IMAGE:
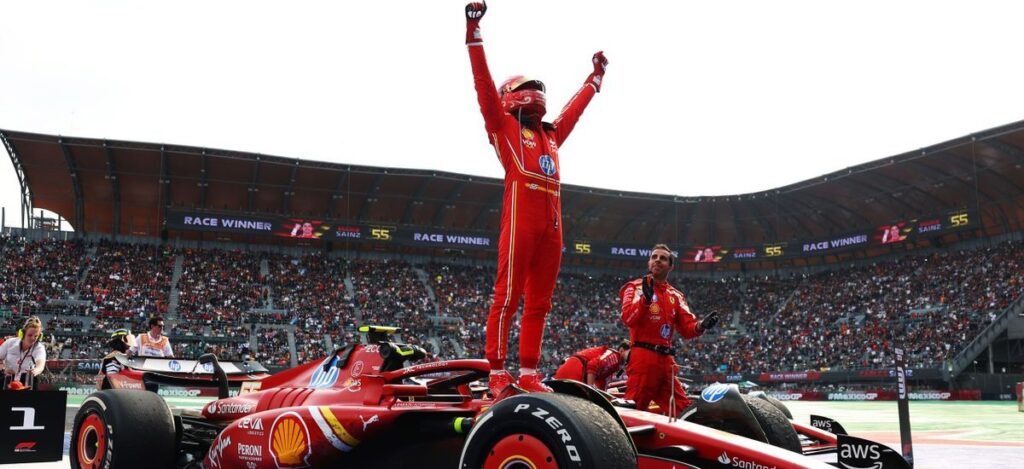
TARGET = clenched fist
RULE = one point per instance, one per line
(475, 11)
(600, 65)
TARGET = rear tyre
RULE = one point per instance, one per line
(120, 428)
(544, 430)
(774, 423)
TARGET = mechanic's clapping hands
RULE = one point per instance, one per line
(708, 322)
(647, 289)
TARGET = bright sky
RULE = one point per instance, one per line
(701, 98)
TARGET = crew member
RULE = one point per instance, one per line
(530, 243)
(153, 343)
(24, 356)
(120, 341)
(652, 309)
(595, 365)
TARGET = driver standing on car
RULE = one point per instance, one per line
(153, 343)
(530, 243)
(652, 309)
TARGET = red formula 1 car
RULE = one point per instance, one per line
(361, 407)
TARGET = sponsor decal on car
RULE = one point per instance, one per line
(252, 425)
(289, 441)
(565, 437)
(367, 422)
(743, 464)
(324, 379)
(332, 429)
(215, 456)
(357, 369)
(174, 365)
(714, 393)
(217, 407)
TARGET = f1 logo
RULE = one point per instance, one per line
(28, 421)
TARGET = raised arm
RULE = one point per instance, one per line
(634, 301)
(486, 92)
(574, 108)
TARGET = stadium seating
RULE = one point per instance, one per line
(293, 308)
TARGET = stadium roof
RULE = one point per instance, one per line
(122, 187)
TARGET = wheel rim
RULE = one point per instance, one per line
(520, 451)
(92, 441)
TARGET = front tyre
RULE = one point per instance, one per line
(120, 428)
(545, 430)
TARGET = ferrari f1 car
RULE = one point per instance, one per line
(361, 407)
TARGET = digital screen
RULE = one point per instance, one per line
(300, 228)
(704, 254)
(382, 233)
(893, 233)
(774, 250)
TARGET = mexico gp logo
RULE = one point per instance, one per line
(547, 165)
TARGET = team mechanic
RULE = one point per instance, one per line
(595, 365)
(530, 244)
(651, 309)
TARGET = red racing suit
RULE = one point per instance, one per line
(530, 243)
(651, 374)
(602, 362)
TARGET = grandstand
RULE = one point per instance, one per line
(817, 281)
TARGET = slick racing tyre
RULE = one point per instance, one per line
(545, 430)
(118, 428)
(779, 405)
(774, 423)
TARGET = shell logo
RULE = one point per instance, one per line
(289, 441)
(528, 134)
(655, 309)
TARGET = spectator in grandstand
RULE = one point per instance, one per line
(651, 309)
(530, 244)
(24, 356)
(153, 343)
(595, 365)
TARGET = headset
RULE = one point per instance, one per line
(31, 319)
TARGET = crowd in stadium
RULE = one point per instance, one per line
(300, 306)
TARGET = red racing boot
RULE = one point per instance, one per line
(497, 382)
(531, 383)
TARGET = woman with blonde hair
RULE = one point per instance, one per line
(24, 356)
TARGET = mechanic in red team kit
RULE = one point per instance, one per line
(595, 365)
(530, 244)
(652, 309)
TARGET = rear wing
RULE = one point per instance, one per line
(193, 367)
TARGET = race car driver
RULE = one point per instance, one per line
(595, 365)
(530, 243)
(652, 309)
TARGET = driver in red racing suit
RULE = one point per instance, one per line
(530, 243)
(652, 309)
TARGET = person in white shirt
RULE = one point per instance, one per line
(153, 343)
(24, 357)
